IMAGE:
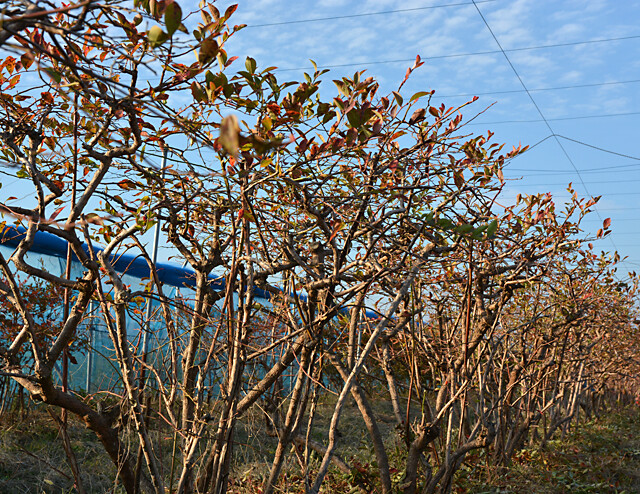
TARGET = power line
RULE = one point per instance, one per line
(565, 183)
(548, 171)
(468, 54)
(558, 119)
(535, 104)
(617, 220)
(364, 14)
(599, 148)
(619, 209)
(554, 88)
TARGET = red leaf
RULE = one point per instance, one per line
(418, 115)
(230, 10)
(339, 226)
(126, 184)
(47, 98)
(458, 178)
(606, 223)
(56, 213)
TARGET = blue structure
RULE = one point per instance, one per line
(97, 370)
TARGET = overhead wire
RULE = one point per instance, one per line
(363, 14)
(468, 54)
(541, 172)
(608, 151)
(540, 89)
(558, 119)
(486, 23)
(564, 183)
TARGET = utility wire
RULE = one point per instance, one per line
(364, 14)
(468, 54)
(536, 106)
(599, 148)
(596, 171)
(520, 184)
(558, 119)
(617, 220)
(554, 88)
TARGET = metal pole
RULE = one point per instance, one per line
(90, 349)
(154, 257)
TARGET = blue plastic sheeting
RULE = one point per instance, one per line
(95, 369)
(134, 266)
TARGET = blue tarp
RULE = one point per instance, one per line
(134, 266)
(96, 370)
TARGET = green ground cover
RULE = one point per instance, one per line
(598, 456)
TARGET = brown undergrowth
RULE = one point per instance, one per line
(598, 456)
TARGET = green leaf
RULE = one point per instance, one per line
(477, 233)
(444, 223)
(208, 50)
(197, 91)
(492, 228)
(354, 118)
(54, 74)
(464, 229)
(250, 64)
(173, 17)
(156, 36)
(342, 87)
(419, 95)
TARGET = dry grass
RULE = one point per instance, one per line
(600, 456)
(32, 459)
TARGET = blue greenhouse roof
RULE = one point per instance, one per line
(170, 274)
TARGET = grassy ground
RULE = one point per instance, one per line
(32, 459)
(601, 456)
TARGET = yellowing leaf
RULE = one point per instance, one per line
(208, 50)
(173, 17)
(230, 134)
(94, 219)
(156, 36)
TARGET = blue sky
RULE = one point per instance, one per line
(587, 89)
(580, 61)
